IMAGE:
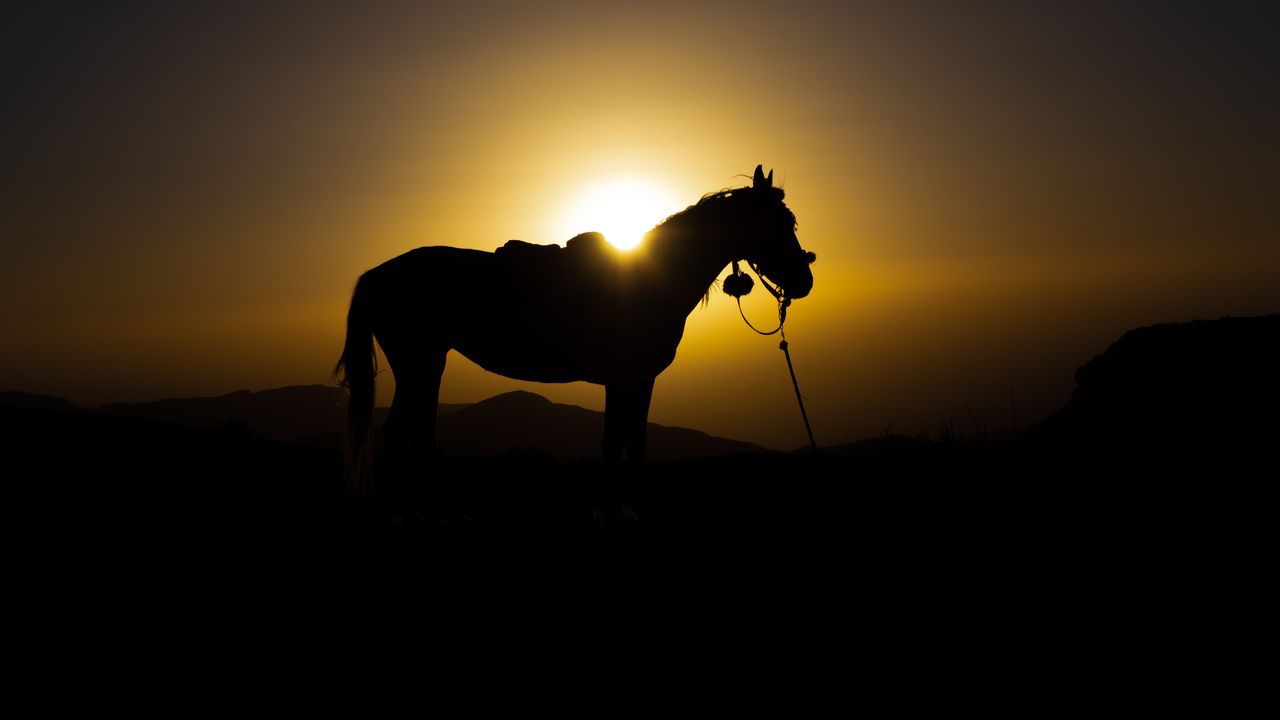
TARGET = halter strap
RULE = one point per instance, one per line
(776, 293)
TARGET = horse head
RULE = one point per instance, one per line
(768, 239)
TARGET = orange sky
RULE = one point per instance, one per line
(993, 196)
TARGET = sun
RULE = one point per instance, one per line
(624, 210)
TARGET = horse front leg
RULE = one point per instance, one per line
(626, 416)
(638, 421)
(637, 426)
(602, 490)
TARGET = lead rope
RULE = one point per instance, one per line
(783, 304)
(786, 350)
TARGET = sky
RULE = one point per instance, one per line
(995, 191)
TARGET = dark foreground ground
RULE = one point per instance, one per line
(82, 483)
(897, 554)
(870, 566)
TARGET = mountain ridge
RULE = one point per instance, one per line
(314, 415)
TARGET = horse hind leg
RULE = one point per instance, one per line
(416, 485)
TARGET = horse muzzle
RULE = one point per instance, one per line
(802, 285)
(797, 290)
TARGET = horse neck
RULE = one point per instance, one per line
(691, 256)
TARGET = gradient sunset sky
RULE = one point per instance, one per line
(995, 191)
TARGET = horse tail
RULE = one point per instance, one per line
(357, 368)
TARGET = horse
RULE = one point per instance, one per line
(549, 314)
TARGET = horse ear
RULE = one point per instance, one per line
(758, 181)
(769, 180)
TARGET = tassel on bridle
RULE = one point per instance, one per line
(737, 283)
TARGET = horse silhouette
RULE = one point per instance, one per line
(550, 314)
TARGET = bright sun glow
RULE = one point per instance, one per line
(624, 210)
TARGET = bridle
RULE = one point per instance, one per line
(783, 302)
(741, 286)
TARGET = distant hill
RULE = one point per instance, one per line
(314, 415)
(31, 401)
(523, 420)
(290, 413)
(308, 414)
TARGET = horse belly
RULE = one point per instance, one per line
(529, 339)
(585, 350)
(525, 356)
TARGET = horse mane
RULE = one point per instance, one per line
(720, 200)
(712, 203)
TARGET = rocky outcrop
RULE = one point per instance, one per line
(1202, 391)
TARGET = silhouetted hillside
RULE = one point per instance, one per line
(288, 413)
(523, 420)
(1203, 391)
(311, 414)
(35, 402)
